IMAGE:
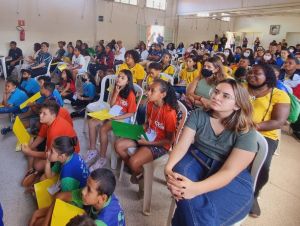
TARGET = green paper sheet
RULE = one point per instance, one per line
(126, 130)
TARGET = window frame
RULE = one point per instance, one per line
(151, 7)
(119, 2)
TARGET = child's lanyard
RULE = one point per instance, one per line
(166, 67)
(156, 118)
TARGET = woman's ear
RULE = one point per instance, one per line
(236, 108)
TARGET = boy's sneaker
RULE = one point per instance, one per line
(91, 157)
(6, 130)
(100, 163)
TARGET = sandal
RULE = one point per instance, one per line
(29, 178)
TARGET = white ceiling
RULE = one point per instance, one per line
(238, 8)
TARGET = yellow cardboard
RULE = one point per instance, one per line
(63, 212)
(31, 100)
(21, 133)
(43, 197)
(101, 115)
(62, 67)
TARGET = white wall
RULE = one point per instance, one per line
(262, 25)
(70, 20)
(197, 30)
(186, 7)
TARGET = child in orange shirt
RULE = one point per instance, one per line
(123, 96)
(160, 129)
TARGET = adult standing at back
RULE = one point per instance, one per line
(271, 109)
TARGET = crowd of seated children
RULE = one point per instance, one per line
(62, 160)
(40, 65)
(132, 59)
(123, 97)
(160, 127)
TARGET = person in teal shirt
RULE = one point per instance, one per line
(28, 84)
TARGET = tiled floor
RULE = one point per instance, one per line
(280, 199)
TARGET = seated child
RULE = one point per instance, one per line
(160, 128)
(87, 96)
(188, 74)
(123, 96)
(167, 68)
(80, 220)
(56, 126)
(13, 97)
(28, 84)
(154, 72)
(98, 199)
(71, 168)
(67, 85)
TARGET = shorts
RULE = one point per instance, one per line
(157, 151)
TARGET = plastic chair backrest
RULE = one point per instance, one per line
(49, 66)
(169, 77)
(260, 157)
(112, 80)
(139, 94)
(87, 61)
(181, 122)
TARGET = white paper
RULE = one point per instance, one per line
(151, 135)
(115, 110)
(54, 188)
(75, 96)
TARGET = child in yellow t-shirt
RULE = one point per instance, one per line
(167, 68)
(132, 58)
(188, 74)
(154, 72)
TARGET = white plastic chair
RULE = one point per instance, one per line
(169, 77)
(150, 167)
(48, 70)
(114, 157)
(260, 157)
(100, 103)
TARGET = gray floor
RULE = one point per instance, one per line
(280, 199)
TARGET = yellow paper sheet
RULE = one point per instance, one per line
(101, 115)
(62, 67)
(1, 105)
(43, 197)
(31, 100)
(21, 133)
(63, 212)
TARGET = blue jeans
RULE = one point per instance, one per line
(224, 206)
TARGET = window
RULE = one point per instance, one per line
(156, 4)
(131, 2)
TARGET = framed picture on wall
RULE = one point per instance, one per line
(274, 29)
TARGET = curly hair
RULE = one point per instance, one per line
(269, 73)
(134, 54)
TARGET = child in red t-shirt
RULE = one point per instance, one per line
(67, 86)
(160, 127)
(123, 96)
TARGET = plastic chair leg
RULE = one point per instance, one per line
(84, 122)
(148, 180)
(121, 170)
